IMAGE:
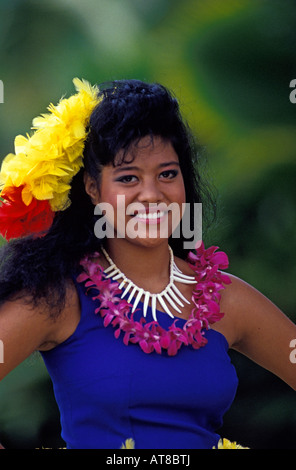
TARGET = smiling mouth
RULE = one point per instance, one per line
(150, 217)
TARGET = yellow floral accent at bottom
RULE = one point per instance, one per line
(222, 444)
(128, 444)
(226, 444)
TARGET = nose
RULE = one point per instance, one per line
(150, 191)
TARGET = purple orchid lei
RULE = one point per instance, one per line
(206, 263)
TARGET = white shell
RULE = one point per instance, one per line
(170, 294)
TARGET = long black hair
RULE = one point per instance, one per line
(40, 268)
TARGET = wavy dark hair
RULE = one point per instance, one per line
(40, 268)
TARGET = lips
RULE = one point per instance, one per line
(150, 215)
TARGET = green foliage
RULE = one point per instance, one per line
(230, 64)
(28, 413)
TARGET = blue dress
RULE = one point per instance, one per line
(108, 392)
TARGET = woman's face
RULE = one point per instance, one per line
(142, 201)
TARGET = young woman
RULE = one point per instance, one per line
(133, 328)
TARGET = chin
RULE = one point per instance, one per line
(147, 242)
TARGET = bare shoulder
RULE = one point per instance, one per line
(249, 309)
(65, 324)
(25, 329)
(259, 329)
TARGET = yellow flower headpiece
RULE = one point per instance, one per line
(45, 162)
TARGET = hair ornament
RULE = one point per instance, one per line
(35, 181)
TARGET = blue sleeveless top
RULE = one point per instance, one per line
(108, 392)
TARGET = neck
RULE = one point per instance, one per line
(148, 267)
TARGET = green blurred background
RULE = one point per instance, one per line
(230, 63)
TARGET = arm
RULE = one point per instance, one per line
(24, 329)
(259, 329)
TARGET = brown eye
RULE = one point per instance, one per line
(168, 174)
(127, 179)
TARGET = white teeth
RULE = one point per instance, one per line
(150, 215)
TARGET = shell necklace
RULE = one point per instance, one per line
(149, 335)
(169, 295)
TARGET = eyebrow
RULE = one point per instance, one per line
(132, 168)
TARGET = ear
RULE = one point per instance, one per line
(91, 188)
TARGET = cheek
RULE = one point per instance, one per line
(180, 194)
(184, 194)
(113, 206)
(107, 194)
(180, 199)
